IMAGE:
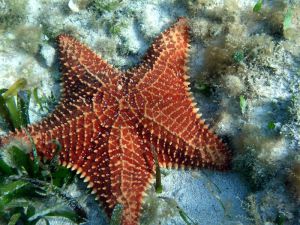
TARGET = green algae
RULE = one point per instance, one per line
(45, 103)
(29, 185)
(12, 13)
(13, 106)
(257, 7)
(287, 20)
(258, 172)
(28, 38)
(271, 125)
(168, 207)
(30, 180)
(14, 88)
(243, 104)
(102, 6)
(116, 215)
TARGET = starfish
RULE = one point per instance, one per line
(113, 125)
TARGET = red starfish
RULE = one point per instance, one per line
(110, 122)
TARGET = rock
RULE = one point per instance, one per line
(73, 6)
(48, 53)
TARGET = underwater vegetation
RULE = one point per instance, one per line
(28, 39)
(13, 106)
(31, 189)
(12, 12)
(244, 53)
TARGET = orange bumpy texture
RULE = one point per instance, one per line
(109, 123)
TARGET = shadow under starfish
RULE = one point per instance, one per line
(109, 122)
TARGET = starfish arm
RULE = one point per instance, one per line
(92, 162)
(169, 48)
(162, 98)
(132, 167)
(86, 77)
(83, 71)
(73, 126)
(177, 153)
(73, 134)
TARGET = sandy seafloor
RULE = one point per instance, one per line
(264, 137)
